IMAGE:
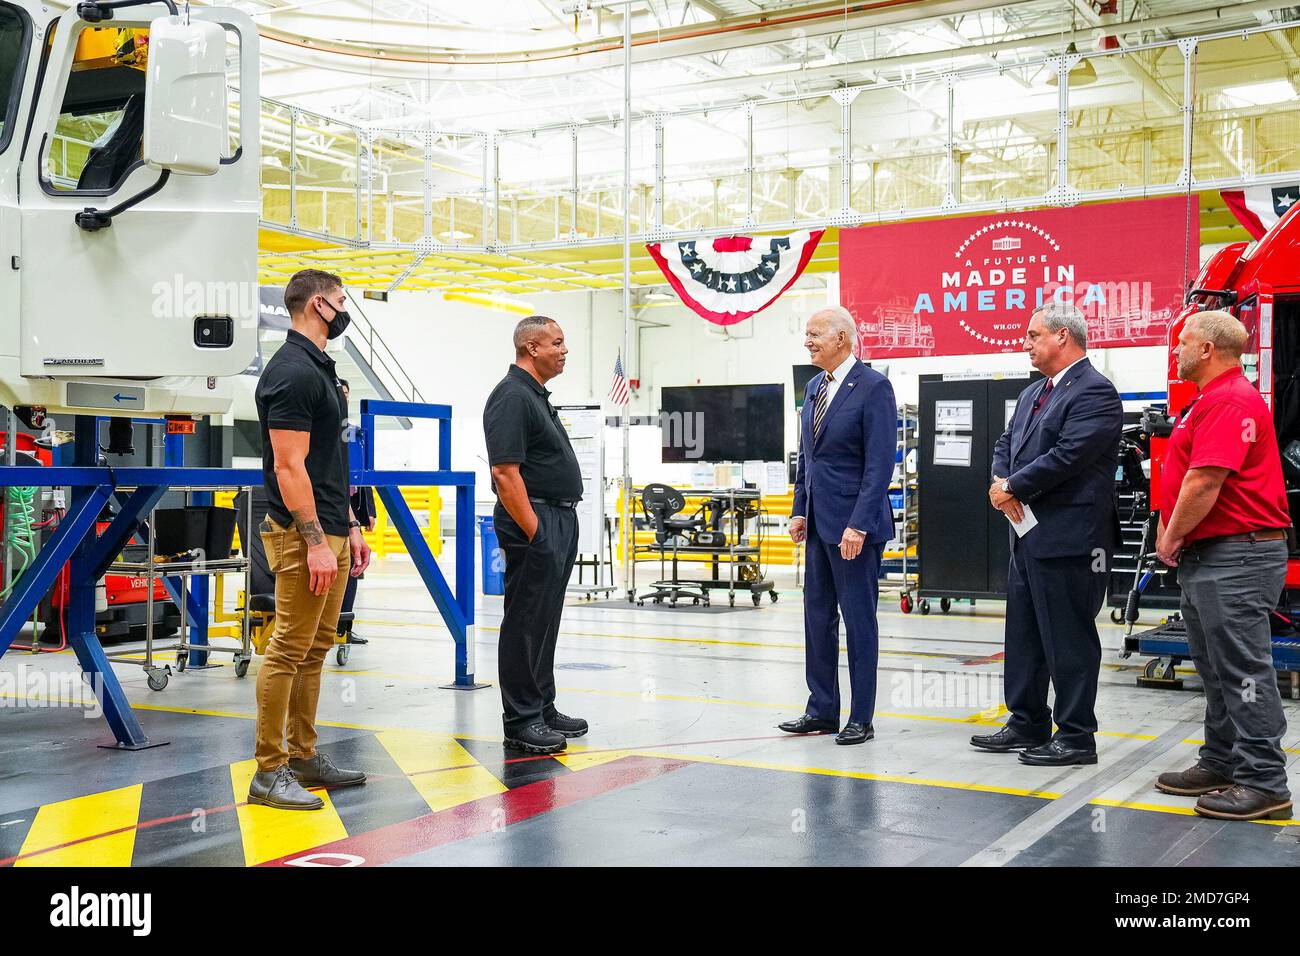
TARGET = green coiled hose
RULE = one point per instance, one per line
(20, 531)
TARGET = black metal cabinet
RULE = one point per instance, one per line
(964, 548)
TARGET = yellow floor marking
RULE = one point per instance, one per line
(989, 715)
(774, 645)
(860, 775)
(269, 834)
(576, 759)
(419, 754)
(68, 820)
(1181, 811)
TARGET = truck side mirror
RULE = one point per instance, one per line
(185, 96)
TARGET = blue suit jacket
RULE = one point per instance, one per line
(842, 480)
(1062, 463)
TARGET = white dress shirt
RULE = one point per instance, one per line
(1056, 379)
(840, 373)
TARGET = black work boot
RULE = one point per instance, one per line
(566, 726)
(319, 771)
(536, 738)
(280, 789)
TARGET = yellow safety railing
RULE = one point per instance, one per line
(385, 540)
(777, 547)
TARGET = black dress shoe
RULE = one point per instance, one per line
(354, 639)
(1004, 741)
(855, 733)
(1243, 803)
(1056, 754)
(566, 726)
(808, 724)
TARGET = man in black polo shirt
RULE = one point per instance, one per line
(537, 481)
(312, 542)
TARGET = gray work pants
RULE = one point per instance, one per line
(1228, 590)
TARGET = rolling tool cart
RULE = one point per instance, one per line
(725, 529)
(181, 543)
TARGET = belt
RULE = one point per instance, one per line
(569, 503)
(1270, 534)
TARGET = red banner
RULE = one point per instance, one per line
(969, 284)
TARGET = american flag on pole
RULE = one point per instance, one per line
(618, 393)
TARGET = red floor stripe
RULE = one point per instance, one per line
(483, 815)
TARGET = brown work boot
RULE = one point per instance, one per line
(1243, 803)
(1193, 781)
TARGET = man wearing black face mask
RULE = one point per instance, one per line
(312, 542)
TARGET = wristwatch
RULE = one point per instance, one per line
(1006, 487)
(354, 524)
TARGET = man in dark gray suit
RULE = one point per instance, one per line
(1057, 458)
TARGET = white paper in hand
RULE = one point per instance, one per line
(1025, 524)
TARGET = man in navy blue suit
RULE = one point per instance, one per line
(1056, 459)
(847, 439)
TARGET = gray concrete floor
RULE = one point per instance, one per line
(683, 763)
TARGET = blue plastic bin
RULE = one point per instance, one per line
(494, 560)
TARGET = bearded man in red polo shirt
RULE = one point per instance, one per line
(1228, 535)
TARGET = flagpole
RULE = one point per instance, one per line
(581, 7)
(627, 299)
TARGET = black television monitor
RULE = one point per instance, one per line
(713, 423)
(802, 376)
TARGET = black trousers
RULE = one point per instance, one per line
(537, 572)
(349, 598)
(1052, 606)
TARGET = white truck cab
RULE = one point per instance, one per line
(129, 204)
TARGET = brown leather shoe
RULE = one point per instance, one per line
(1243, 803)
(1192, 782)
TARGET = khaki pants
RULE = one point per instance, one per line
(288, 684)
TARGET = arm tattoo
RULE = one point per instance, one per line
(310, 530)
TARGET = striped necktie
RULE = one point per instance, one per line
(819, 404)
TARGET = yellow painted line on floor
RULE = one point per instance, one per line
(269, 834)
(987, 716)
(709, 641)
(1180, 811)
(861, 775)
(420, 754)
(93, 820)
(576, 759)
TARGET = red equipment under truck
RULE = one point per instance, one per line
(1259, 283)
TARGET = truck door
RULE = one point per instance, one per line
(130, 301)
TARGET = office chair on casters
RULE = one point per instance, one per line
(660, 504)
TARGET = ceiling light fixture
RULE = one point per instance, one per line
(1081, 74)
